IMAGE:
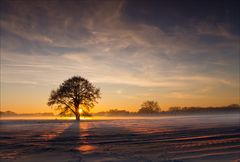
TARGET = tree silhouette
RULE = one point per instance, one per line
(149, 107)
(73, 96)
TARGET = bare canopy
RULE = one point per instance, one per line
(149, 107)
(73, 95)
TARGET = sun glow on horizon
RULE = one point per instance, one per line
(80, 111)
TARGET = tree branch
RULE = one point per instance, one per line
(66, 105)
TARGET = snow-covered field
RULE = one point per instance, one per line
(212, 138)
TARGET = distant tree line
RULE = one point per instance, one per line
(11, 113)
(198, 110)
(152, 108)
(114, 112)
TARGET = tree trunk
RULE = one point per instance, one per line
(77, 117)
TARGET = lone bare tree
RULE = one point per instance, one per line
(149, 107)
(74, 96)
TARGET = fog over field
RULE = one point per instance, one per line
(212, 138)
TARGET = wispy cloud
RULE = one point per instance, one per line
(182, 95)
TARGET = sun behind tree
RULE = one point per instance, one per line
(74, 96)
